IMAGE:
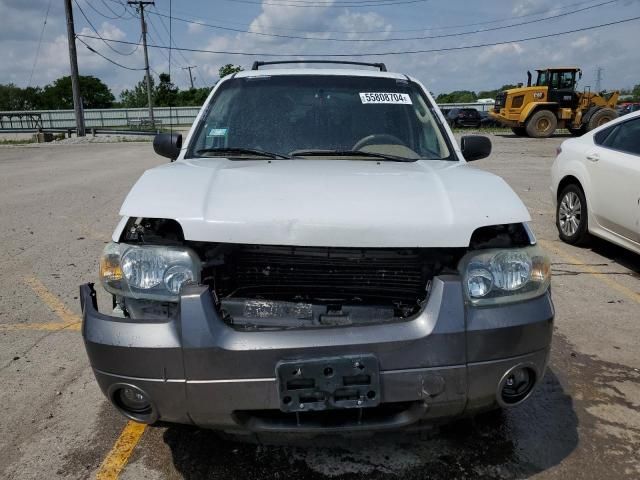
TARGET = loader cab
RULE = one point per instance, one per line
(561, 84)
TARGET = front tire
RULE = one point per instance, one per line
(541, 124)
(571, 215)
(601, 117)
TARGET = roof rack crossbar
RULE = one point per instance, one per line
(381, 66)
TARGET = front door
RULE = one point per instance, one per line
(562, 89)
(614, 170)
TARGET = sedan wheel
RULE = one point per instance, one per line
(571, 215)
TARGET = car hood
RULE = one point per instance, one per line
(341, 203)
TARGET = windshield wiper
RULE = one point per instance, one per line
(349, 153)
(240, 150)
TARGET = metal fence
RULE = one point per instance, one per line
(97, 118)
(124, 118)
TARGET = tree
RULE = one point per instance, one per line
(228, 69)
(193, 97)
(458, 96)
(493, 93)
(165, 94)
(95, 94)
(636, 93)
(136, 97)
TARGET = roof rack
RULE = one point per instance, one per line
(381, 66)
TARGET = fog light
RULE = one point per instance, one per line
(133, 401)
(517, 384)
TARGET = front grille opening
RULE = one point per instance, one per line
(261, 286)
(332, 418)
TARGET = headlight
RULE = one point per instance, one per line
(151, 272)
(505, 275)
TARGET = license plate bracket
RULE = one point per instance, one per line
(349, 381)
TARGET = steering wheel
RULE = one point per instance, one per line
(377, 139)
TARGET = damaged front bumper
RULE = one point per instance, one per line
(447, 361)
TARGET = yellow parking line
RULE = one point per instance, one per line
(45, 327)
(123, 448)
(635, 296)
(68, 320)
(53, 302)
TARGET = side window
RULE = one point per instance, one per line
(626, 137)
(601, 137)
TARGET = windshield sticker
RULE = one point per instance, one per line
(391, 98)
(217, 132)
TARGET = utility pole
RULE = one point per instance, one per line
(75, 76)
(190, 76)
(599, 79)
(141, 4)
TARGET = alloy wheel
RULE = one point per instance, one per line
(570, 214)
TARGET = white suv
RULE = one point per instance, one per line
(319, 258)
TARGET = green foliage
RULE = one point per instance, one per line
(467, 96)
(458, 96)
(57, 95)
(95, 94)
(137, 96)
(166, 93)
(636, 93)
(493, 93)
(228, 69)
(193, 97)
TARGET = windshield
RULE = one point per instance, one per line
(293, 114)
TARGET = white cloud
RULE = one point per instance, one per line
(194, 28)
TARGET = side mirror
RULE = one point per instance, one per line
(475, 147)
(168, 145)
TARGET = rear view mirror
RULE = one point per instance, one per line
(475, 147)
(168, 145)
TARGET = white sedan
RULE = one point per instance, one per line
(595, 184)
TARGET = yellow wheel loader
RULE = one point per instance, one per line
(553, 102)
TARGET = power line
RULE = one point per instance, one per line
(426, 37)
(121, 15)
(35, 60)
(299, 3)
(90, 5)
(172, 41)
(91, 49)
(98, 33)
(430, 28)
(382, 54)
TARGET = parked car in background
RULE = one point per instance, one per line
(464, 117)
(596, 184)
(629, 108)
(486, 121)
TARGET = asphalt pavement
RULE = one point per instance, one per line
(58, 207)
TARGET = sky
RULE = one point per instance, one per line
(267, 27)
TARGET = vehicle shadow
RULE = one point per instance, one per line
(616, 254)
(516, 443)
